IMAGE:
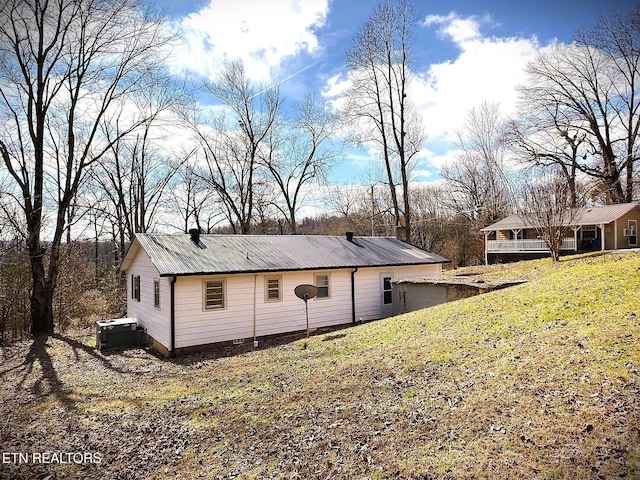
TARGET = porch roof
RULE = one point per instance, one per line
(584, 216)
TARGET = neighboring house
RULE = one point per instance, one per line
(595, 228)
(189, 290)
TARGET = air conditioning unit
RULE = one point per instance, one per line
(629, 232)
(118, 333)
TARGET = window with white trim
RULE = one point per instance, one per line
(156, 293)
(214, 294)
(135, 287)
(273, 288)
(387, 291)
(632, 239)
(323, 282)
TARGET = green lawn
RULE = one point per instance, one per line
(538, 381)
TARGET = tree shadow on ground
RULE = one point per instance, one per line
(48, 383)
(102, 357)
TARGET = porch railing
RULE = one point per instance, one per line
(537, 245)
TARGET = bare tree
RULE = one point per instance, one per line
(195, 204)
(479, 189)
(591, 85)
(429, 220)
(232, 140)
(617, 36)
(134, 175)
(300, 152)
(543, 138)
(378, 101)
(64, 68)
(547, 208)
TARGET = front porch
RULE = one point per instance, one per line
(607, 227)
(527, 246)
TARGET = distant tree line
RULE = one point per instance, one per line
(89, 151)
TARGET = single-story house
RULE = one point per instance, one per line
(190, 290)
(609, 227)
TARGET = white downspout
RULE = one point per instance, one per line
(255, 289)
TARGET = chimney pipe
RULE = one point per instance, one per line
(195, 235)
(349, 236)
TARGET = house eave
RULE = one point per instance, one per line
(130, 255)
(289, 270)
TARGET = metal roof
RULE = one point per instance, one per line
(583, 216)
(177, 254)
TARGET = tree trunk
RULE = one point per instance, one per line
(407, 205)
(41, 297)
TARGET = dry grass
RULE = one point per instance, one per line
(537, 381)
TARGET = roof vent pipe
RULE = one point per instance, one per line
(195, 235)
(349, 236)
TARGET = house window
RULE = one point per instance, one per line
(387, 295)
(214, 294)
(589, 232)
(273, 289)
(156, 293)
(135, 287)
(322, 282)
(632, 239)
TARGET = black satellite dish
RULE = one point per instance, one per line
(305, 292)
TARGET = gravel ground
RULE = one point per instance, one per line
(50, 428)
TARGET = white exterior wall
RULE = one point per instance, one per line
(289, 315)
(196, 326)
(369, 289)
(156, 321)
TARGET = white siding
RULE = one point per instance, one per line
(196, 326)
(369, 291)
(244, 295)
(245, 305)
(155, 320)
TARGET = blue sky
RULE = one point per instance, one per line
(466, 51)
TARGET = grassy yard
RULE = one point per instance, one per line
(538, 381)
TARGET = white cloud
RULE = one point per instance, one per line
(486, 69)
(261, 33)
(458, 29)
(420, 174)
(447, 156)
(336, 86)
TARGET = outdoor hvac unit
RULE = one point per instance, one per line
(119, 332)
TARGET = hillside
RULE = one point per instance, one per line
(541, 380)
